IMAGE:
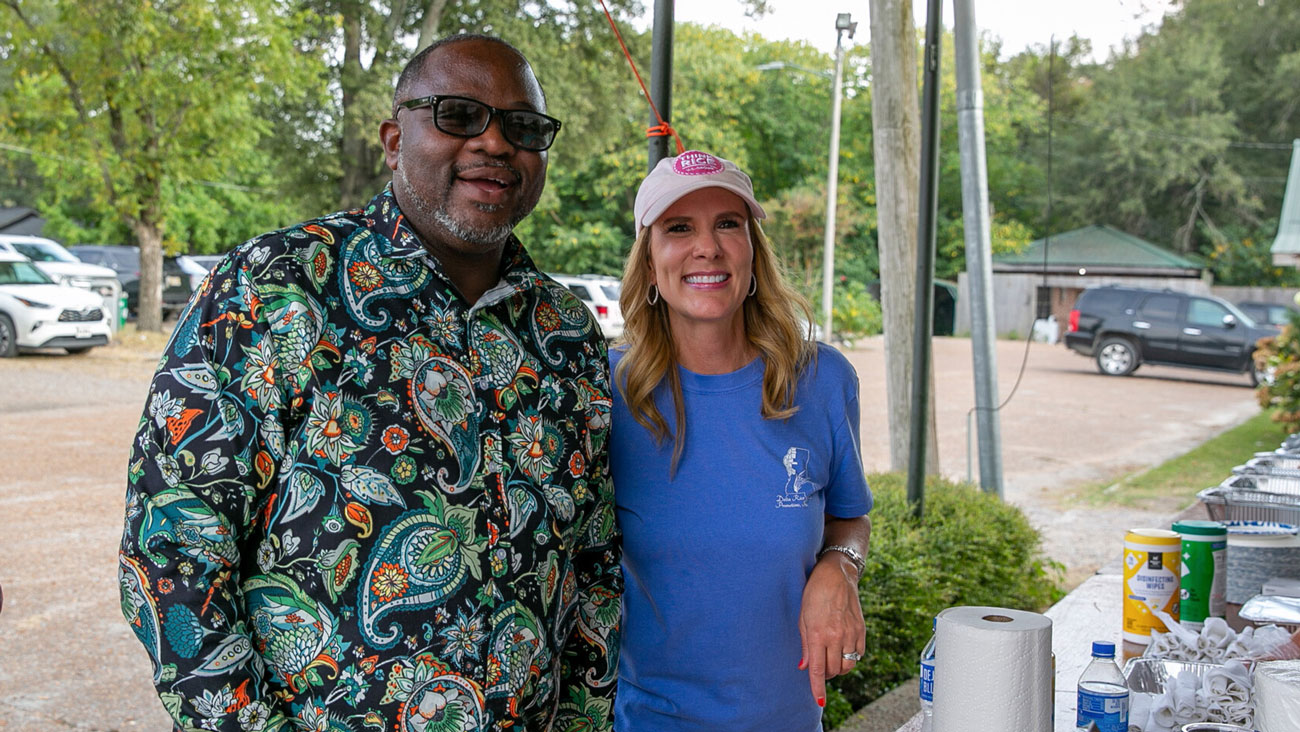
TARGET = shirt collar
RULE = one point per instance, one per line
(400, 241)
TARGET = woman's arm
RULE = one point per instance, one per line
(830, 618)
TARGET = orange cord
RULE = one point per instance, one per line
(663, 129)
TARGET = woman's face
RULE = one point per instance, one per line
(701, 258)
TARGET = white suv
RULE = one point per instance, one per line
(62, 266)
(600, 294)
(36, 312)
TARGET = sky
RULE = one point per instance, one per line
(1019, 23)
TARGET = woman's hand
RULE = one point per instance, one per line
(830, 617)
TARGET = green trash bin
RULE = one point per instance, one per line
(121, 311)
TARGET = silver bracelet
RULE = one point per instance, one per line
(853, 554)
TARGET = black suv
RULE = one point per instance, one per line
(181, 275)
(1124, 327)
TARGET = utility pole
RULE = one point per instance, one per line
(979, 247)
(661, 76)
(843, 22)
(897, 147)
(922, 439)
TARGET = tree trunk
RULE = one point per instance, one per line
(353, 78)
(149, 304)
(897, 146)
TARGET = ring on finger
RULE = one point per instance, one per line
(852, 656)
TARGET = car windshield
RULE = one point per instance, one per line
(22, 273)
(44, 252)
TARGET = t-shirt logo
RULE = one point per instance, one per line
(797, 485)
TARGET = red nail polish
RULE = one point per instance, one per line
(821, 701)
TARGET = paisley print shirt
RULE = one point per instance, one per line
(356, 502)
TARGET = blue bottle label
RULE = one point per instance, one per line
(927, 681)
(1108, 710)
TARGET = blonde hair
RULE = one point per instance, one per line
(772, 327)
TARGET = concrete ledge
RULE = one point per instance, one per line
(887, 713)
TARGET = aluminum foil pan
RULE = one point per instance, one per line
(1151, 675)
(1265, 609)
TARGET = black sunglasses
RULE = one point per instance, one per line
(465, 117)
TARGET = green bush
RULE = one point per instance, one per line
(855, 313)
(1281, 353)
(969, 549)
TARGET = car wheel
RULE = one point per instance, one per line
(1116, 357)
(8, 338)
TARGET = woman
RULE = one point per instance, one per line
(737, 476)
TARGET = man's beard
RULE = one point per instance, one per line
(488, 237)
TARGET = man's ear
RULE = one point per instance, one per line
(390, 136)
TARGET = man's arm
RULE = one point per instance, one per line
(589, 659)
(207, 448)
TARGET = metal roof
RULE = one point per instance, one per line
(1100, 249)
(1286, 247)
(20, 220)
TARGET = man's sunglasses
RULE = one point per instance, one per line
(465, 117)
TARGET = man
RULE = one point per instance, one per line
(370, 488)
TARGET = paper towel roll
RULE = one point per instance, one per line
(993, 671)
(1277, 696)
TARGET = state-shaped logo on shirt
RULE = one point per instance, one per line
(797, 485)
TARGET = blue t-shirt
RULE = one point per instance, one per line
(715, 560)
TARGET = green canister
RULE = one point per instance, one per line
(1204, 579)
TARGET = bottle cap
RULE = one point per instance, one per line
(1105, 649)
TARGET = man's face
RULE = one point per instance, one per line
(465, 195)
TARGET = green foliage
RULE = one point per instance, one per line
(127, 105)
(1245, 259)
(969, 549)
(854, 311)
(1282, 354)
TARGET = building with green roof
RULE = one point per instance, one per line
(1045, 278)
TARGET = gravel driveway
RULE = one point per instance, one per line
(68, 660)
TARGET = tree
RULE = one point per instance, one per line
(123, 99)
(367, 43)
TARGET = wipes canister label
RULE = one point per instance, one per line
(1152, 567)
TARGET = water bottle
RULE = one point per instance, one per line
(927, 684)
(1103, 695)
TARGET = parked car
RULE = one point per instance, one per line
(181, 275)
(600, 294)
(1125, 327)
(37, 312)
(61, 266)
(1266, 313)
(206, 261)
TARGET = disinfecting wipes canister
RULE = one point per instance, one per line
(1203, 580)
(1151, 581)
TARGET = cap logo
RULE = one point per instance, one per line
(694, 162)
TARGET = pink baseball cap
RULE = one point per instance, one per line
(675, 177)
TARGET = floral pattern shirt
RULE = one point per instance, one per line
(356, 502)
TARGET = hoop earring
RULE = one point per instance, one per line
(652, 297)
(753, 285)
